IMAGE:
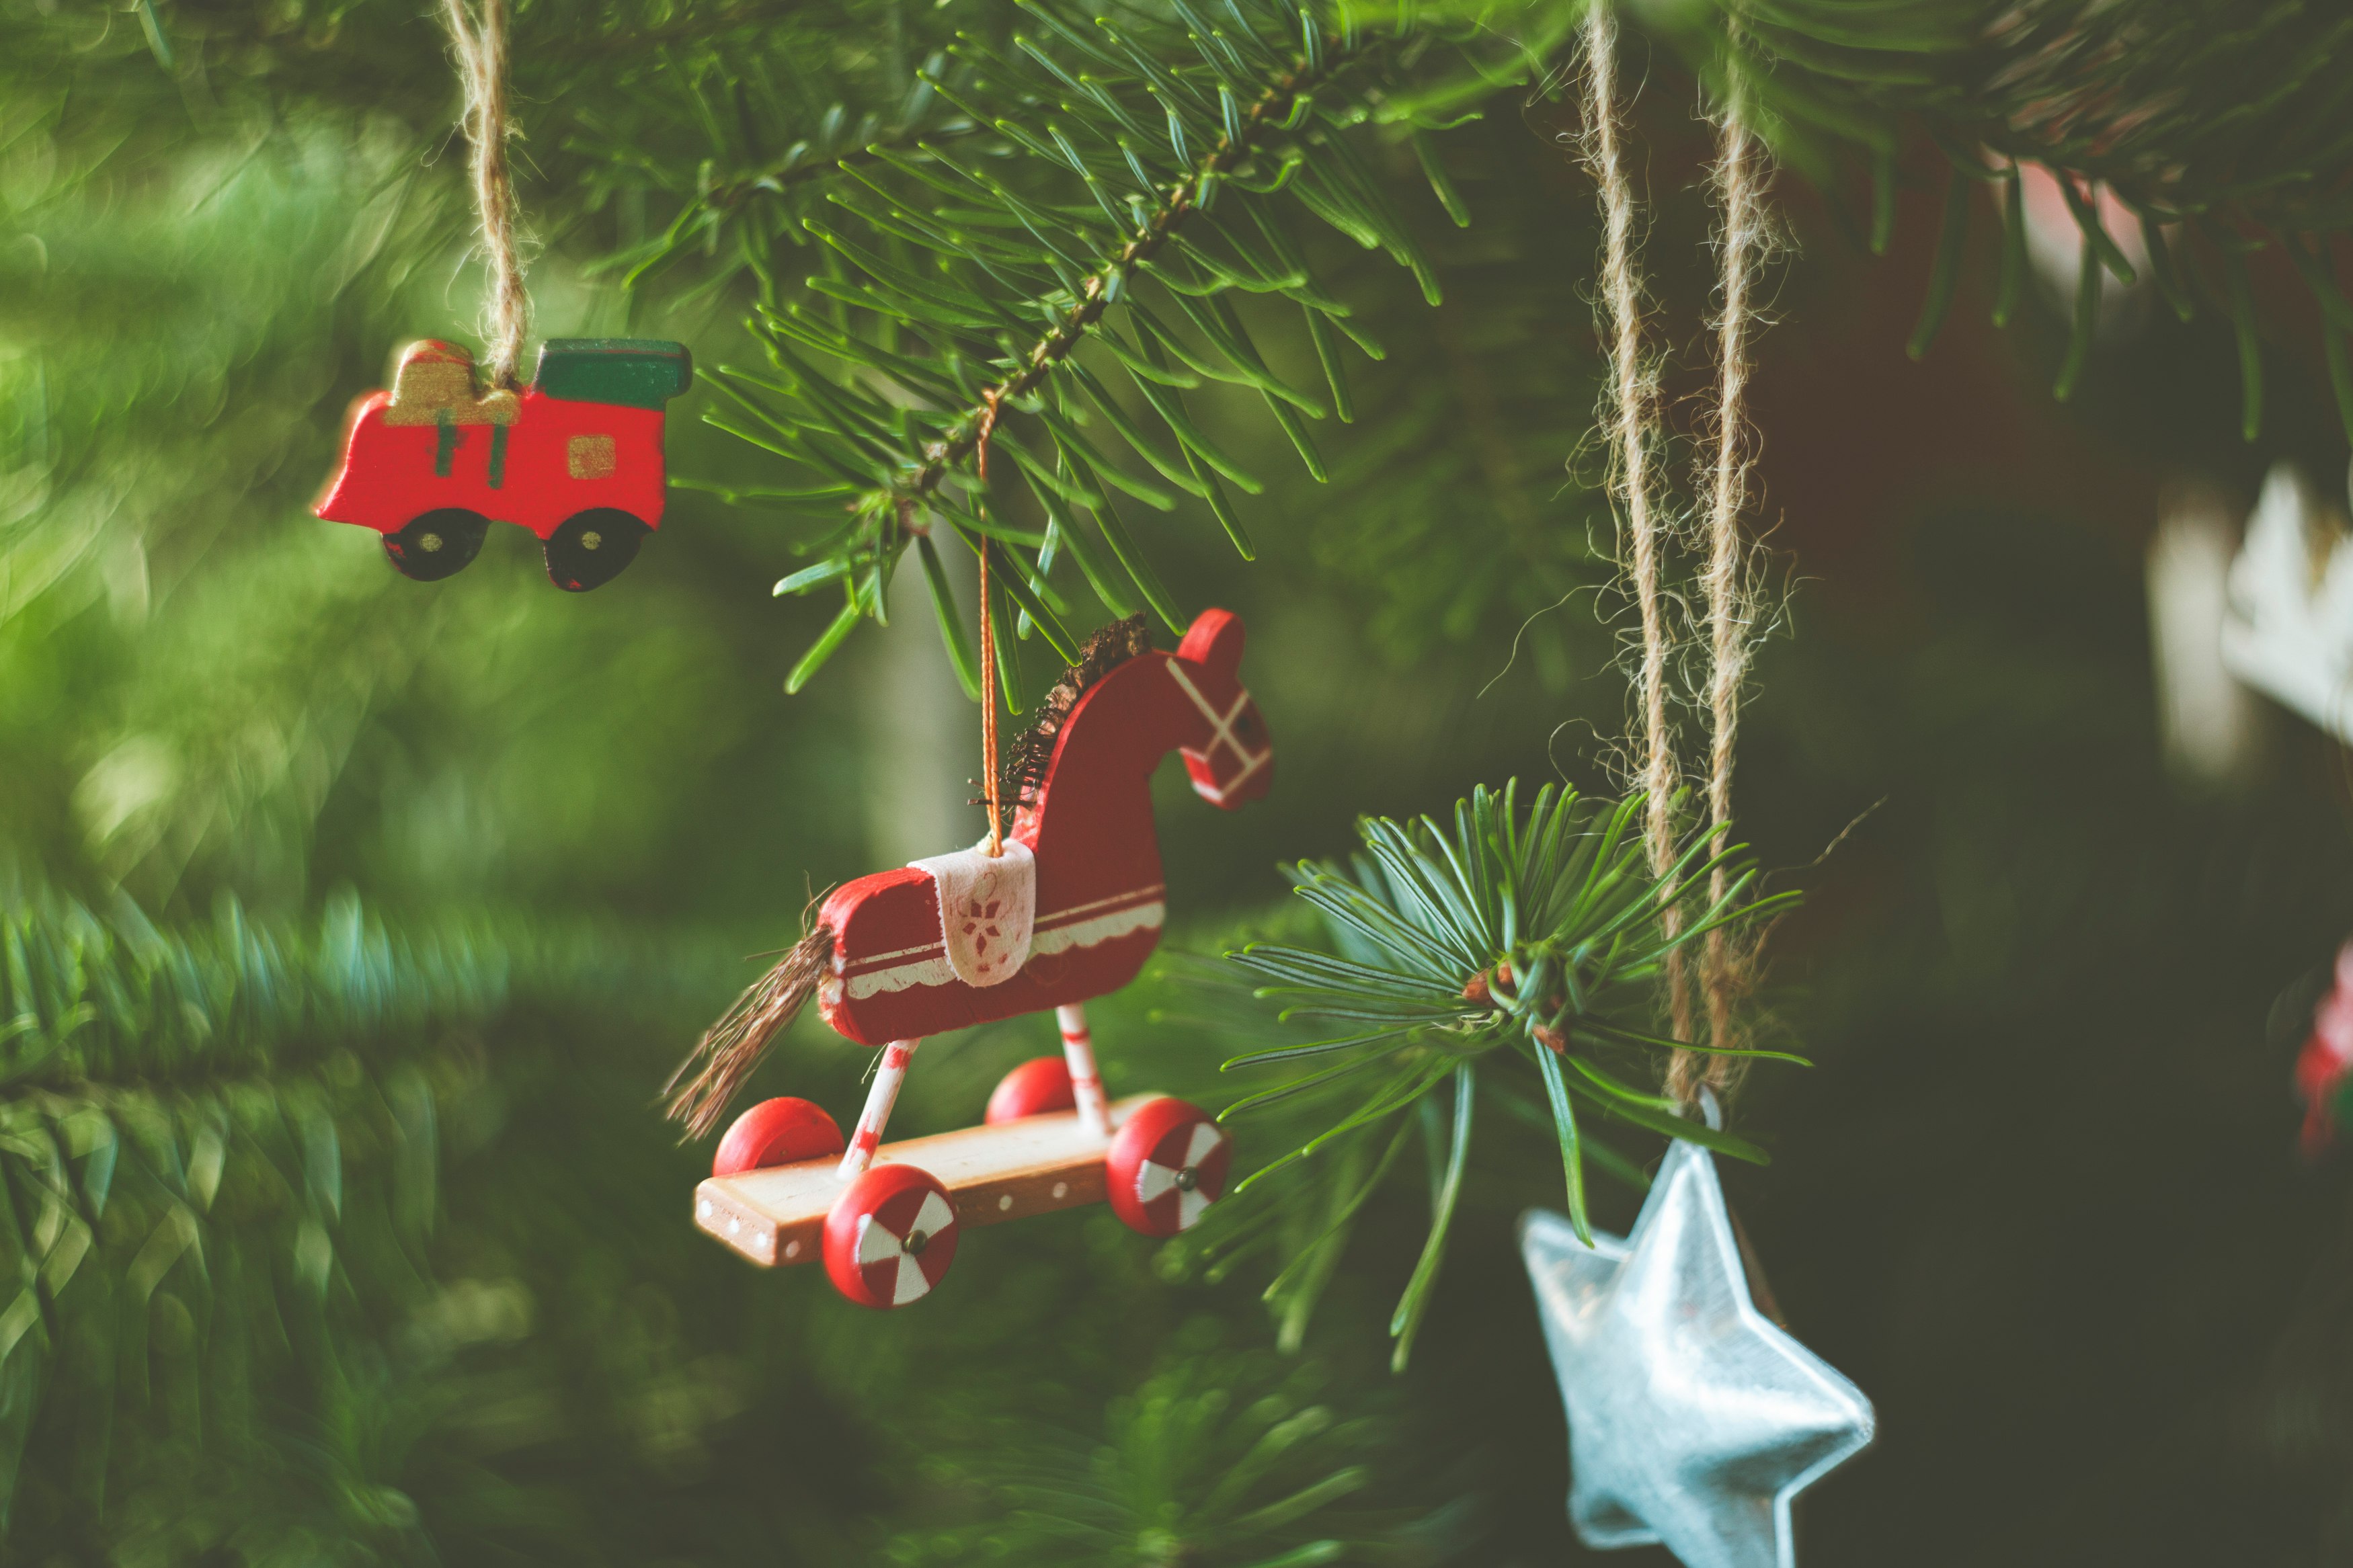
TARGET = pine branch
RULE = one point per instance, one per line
(89, 1007)
(2230, 124)
(994, 294)
(1218, 1458)
(783, 176)
(232, 1128)
(1532, 939)
(1181, 201)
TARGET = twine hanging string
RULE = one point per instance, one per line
(989, 648)
(1628, 415)
(482, 47)
(1736, 184)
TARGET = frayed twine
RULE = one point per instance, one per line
(482, 67)
(732, 1049)
(1729, 579)
(1629, 416)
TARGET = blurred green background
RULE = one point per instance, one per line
(352, 923)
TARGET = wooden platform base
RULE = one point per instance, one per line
(1012, 1170)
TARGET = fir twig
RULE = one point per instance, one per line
(1536, 932)
(969, 290)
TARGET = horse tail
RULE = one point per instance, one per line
(731, 1049)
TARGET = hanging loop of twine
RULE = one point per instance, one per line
(988, 647)
(1630, 409)
(481, 47)
(1631, 418)
(1736, 184)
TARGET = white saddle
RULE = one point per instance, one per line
(988, 907)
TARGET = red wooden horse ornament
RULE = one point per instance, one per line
(889, 964)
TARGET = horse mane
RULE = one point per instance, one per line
(1107, 648)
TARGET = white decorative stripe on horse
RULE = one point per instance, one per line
(1221, 733)
(987, 905)
(1081, 925)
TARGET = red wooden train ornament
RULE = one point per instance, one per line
(575, 457)
(1078, 896)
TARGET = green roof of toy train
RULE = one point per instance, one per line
(636, 373)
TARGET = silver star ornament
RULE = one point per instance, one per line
(1694, 1419)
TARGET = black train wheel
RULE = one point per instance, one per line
(591, 548)
(439, 544)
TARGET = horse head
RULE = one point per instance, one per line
(1225, 748)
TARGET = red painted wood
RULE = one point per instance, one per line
(387, 480)
(892, 1198)
(1092, 831)
(779, 1132)
(1038, 1085)
(1146, 1158)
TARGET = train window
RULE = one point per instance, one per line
(591, 457)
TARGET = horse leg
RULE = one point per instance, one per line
(879, 1098)
(1086, 1086)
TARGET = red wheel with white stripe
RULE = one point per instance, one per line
(780, 1131)
(890, 1237)
(1168, 1164)
(1038, 1086)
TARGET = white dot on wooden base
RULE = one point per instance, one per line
(1062, 1189)
(733, 1226)
(704, 1209)
(1004, 1203)
(792, 1249)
